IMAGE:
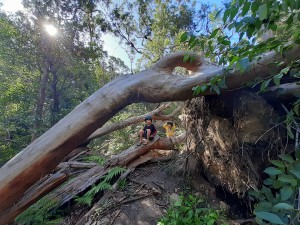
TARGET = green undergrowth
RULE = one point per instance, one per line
(89, 196)
(278, 199)
(190, 210)
(45, 212)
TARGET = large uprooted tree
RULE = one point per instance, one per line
(157, 84)
(246, 62)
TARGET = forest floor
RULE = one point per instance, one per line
(146, 194)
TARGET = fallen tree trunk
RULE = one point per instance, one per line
(156, 84)
(133, 157)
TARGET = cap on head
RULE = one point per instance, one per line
(148, 118)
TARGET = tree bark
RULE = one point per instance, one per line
(153, 85)
(40, 100)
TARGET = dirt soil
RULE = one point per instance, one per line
(146, 195)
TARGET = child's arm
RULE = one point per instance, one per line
(173, 127)
(165, 126)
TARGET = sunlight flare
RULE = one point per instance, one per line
(51, 30)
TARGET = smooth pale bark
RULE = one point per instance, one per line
(156, 84)
(287, 90)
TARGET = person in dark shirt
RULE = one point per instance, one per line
(148, 132)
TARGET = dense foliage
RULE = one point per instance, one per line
(190, 210)
(44, 77)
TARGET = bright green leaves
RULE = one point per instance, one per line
(285, 193)
(184, 36)
(283, 206)
(190, 210)
(88, 197)
(272, 171)
(214, 85)
(263, 12)
(214, 33)
(286, 158)
(246, 8)
(264, 85)
(277, 197)
(270, 217)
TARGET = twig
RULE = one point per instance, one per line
(266, 132)
(116, 216)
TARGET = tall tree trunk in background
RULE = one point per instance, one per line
(40, 100)
(55, 99)
(157, 84)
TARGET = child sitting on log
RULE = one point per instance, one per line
(148, 132)
(169, 128)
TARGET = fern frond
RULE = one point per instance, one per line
(102, 186)
(113, 172)
(85, 199)
(95, 158)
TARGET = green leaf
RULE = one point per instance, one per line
(226, 14)
(263, 12)
(233, 60)
(284, 206)
(254, 7)
(214, 33)
(286, 158)
(289, 132)
(246, 8)
(218, 13)
(271, 217)
(245, 63)
(277, 184)
(296, 109)
(295, 172)
(184, 36)
(272, 171)
(268, 181)
(203, 88)
(277, 79)
(288, 179)
(285, 193)
(264, 85)
(233, 12)
(263, 206)
(278, 163)
(216, 89)
(284, 70)
(186, 58)
(225, 42)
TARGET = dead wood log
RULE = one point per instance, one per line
(156, 84)
(77, 165)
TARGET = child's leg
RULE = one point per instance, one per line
(148, 135)
(141, 132)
